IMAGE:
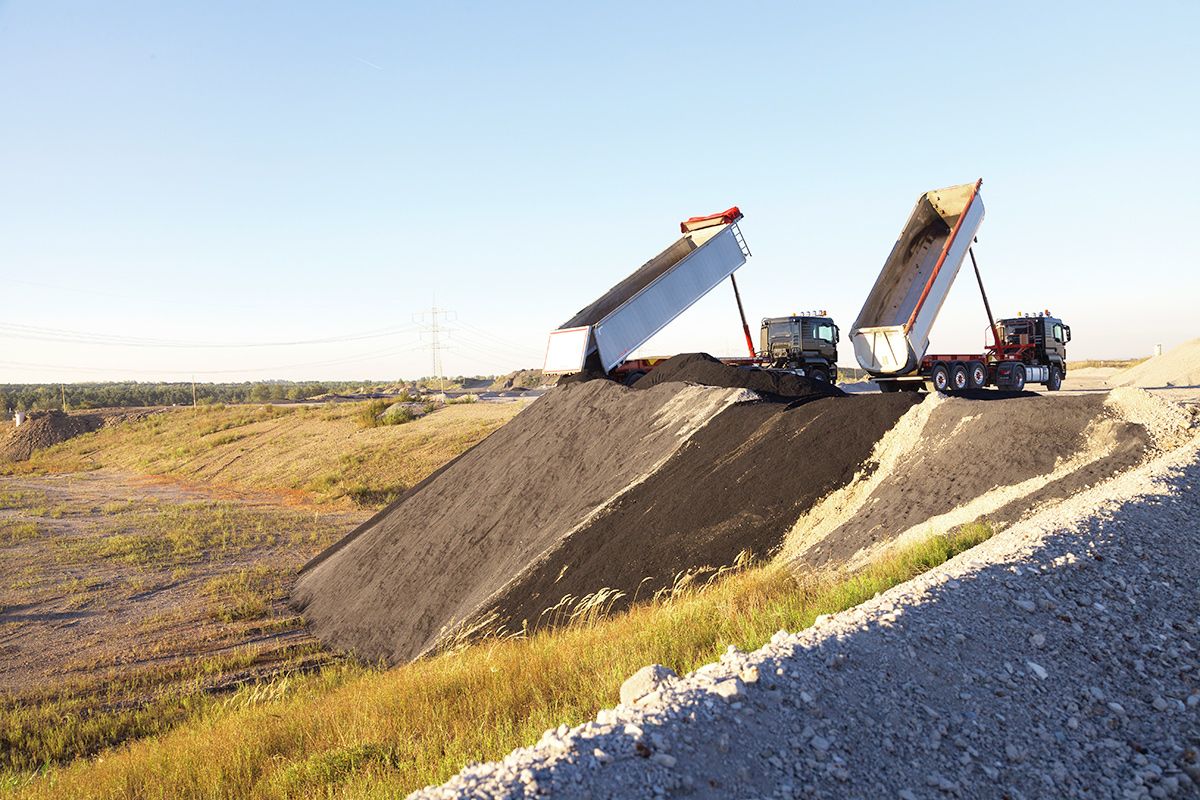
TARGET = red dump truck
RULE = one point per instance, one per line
(891, 334)
(601, 336)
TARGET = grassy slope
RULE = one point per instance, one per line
(315, 452)
(355, 732)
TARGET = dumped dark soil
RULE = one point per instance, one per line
(704, 369)
(401, 585)
(969, 449)
(737, 485)
(43, 429)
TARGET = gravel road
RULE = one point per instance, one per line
(1059, 659)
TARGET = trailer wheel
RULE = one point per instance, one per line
(977, 375)
(1017, 381)
(819, 375)
(634, 377)
(940, 378)
(958, 377)
(1054, 382)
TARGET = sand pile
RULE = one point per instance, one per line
(595, 487)
(951, 462)
(1179, 367)
(432, 563)
(704, 369)
(737, 485)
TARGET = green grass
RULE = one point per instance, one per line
(17, 531)
(178, 534)
(81, 717)
(244, 595)
(361, 732)
(336, 453)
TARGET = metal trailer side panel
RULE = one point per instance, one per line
(669, 294)
(891, 333)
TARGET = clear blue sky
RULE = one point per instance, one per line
(263, 172)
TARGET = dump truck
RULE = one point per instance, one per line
(891, 334)
(601, 336)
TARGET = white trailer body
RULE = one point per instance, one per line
(891, 334)
(627, 315)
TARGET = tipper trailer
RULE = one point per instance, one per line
(601, 336)
(891, 334)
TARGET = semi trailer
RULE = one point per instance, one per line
(602, 335)
(891, 334)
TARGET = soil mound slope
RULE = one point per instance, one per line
(737, 486)
(594, 487)
(959, 461)
(704, 369)
(1179, 367)
(420, 574)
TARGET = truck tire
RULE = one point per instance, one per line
(959, 380)
(977, 375)
(819, 375)
(634, 377)
(1017, 382)
(887, 387)
(1054, 382)
(939, 376)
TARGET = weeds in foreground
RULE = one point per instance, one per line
(354, 731)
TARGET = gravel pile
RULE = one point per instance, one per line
(1059, 659)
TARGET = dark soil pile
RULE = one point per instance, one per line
(738, 485)
(42, 429)
(704, 369)
(409, 578)
(968, 449)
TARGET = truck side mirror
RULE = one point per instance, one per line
(1067, 331)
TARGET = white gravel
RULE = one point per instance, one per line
(1059, 659)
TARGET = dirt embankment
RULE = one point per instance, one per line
(737, 485)
(418, 573)
(596, 486)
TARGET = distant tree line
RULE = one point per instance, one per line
(43, 396)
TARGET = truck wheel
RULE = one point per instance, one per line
(887, 387)
(940, 378)
(1054, 382)
(977, 375)
(819, 375)
(1017, 382)
(634, 377)
(958, 377)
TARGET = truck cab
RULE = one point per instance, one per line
(803, 343)
(1038, 342)
(1047, 334)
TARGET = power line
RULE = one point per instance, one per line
(116, 340)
